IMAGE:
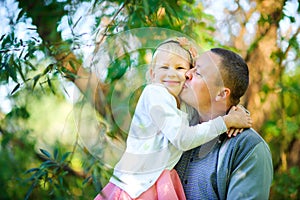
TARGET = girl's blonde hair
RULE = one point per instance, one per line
(177, 46)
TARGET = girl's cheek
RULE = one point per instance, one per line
(183, 74)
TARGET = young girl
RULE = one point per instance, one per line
(160, 132)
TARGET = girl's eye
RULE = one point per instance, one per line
(164, 67)
(181, 67)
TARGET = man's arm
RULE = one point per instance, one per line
(252, 178)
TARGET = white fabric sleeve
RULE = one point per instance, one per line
(173, 123)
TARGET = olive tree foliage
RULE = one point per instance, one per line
(34, 62)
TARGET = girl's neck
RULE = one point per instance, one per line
(177, 101)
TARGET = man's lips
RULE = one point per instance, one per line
(185, 85)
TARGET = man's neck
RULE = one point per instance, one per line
(204, 117)
(214, 110)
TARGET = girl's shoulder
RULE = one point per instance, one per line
(158, 93)
(156, 88)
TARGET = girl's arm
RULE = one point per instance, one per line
(237, 119)
(174, 125)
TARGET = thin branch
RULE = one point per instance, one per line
(109, 24)
(289, 46)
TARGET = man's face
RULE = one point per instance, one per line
(200, 88)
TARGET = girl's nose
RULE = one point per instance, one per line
(171, 72)
(189, 74)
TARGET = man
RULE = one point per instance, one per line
(235, 168)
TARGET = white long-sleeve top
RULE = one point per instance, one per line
(158, 135)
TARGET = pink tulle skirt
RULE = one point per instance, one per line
(167, 187)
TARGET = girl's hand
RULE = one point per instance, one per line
(237, 119)
(234, 131)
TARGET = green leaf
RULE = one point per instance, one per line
(96, 182)
(48, 69)
(64, 173)
(86, 180)
(32, 170)
(48, 164)
(6, 40)
(67, 93)
(11, 70)
(35, 80)
(15, 89)
(61, 180)
(146, 7)
(30, 65)
(20, 14)
(65, 156)
(292, 19)
(294, 42)
(2, 37)
(5, 140)
(56, 169)
(19, 68)
(55, 153)
(46, 153)
(73, 65)
(50, 85)
(30, 190)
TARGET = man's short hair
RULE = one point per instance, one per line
(234, 72)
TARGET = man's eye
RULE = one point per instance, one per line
(198, 74)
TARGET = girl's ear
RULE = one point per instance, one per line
(223, 94)
(151, 74)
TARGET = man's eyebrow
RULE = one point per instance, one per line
(198, 66)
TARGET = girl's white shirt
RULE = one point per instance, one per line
(158, 135)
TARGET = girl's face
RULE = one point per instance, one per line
(169, 70)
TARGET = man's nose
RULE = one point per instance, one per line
(189, 75)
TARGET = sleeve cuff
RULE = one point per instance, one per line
(220, 125)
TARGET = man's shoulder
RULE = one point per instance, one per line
(246, 140)
(250, 135)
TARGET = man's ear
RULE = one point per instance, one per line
(223, 94)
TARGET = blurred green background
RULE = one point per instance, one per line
(56, 145)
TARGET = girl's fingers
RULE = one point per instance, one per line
(230, 132)
(236, 131)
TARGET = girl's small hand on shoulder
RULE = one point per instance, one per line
(237, 119)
